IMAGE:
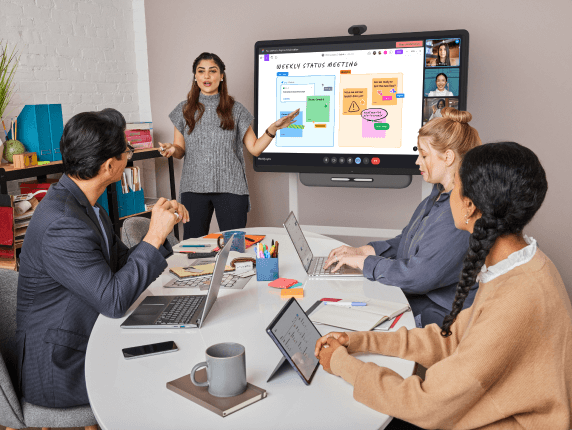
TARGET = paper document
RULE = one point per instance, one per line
(360, 318)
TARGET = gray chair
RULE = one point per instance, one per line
(135, 229)
(15, 412)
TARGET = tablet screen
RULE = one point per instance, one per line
(296, 336)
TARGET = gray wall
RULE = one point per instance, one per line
(520, 88)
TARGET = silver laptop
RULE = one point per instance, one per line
(179, 311)
(314, 266)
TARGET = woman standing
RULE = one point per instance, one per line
(440, 83)
(210, 129)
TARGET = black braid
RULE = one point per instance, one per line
(507, 185)
(481, 241)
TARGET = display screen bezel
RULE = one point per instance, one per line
(397, 164)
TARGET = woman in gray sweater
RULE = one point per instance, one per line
(210, 129)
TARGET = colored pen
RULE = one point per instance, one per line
(196, 246)
(345, 303)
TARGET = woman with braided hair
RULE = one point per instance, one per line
(504, 363)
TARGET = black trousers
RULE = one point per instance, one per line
(431, 312)
(231, 211)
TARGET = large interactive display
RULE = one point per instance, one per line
(362, 99)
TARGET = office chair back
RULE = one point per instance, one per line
(135, 229)
(11, 414)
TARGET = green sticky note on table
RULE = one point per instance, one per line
(299, 284)
(318, 109)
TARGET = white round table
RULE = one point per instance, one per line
(132, 394)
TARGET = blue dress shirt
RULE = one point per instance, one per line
(427, 257)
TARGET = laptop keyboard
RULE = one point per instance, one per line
(317, 268)
(180, 310)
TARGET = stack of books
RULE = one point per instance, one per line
(139, 135)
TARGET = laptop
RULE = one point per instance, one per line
(314, 266)
(179, 311)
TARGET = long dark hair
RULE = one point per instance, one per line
(507, 185)
(225, 104)
(447, 59)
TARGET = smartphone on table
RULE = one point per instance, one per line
(151, 349)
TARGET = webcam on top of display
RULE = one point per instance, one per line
(357, 30)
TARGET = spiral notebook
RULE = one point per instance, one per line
(361, 318)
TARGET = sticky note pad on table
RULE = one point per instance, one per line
(282, 283)
(298, 293)
(299, 284)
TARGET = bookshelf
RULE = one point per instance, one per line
(9, 173)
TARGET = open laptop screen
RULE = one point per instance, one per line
(299, 240)
(216, 279)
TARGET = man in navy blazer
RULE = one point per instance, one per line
(73, 267)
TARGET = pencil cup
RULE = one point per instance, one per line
(267, 269)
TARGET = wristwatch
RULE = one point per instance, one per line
(269, 134)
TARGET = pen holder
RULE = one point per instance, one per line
(267, 269)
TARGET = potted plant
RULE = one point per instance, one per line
(8, 65)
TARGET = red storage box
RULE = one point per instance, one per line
(33, 186)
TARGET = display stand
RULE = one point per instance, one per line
(343, 231)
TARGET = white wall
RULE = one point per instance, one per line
(77, 53)
(86, 55)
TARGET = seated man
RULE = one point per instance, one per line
(73, 267)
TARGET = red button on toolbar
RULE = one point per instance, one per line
(375, 160)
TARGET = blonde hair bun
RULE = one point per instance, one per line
(460, 116)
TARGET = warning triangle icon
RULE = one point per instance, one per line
(354, 107)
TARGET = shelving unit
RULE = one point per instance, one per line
(9, 173)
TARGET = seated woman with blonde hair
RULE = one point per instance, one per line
(504, 363)
(426, 258)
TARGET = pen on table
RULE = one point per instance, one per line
(345, 303)
(196, 246)
(395, 320)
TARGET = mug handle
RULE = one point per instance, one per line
(197, 367)
(219, 244)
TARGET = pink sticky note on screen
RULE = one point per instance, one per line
(368, 129)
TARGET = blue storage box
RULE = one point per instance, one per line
(267, 269)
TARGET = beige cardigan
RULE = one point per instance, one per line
(507, 364)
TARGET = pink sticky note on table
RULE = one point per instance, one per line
(282, 283)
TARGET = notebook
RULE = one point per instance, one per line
(362, 318)
(193, 271)
(219, 405)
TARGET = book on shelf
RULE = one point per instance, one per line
(222, 406)
(144, 125)
(358, 318)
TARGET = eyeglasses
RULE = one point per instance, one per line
(129, 152)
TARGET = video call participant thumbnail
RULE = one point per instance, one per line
(442, 53)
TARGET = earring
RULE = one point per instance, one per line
(466, 219)
(221, 79)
